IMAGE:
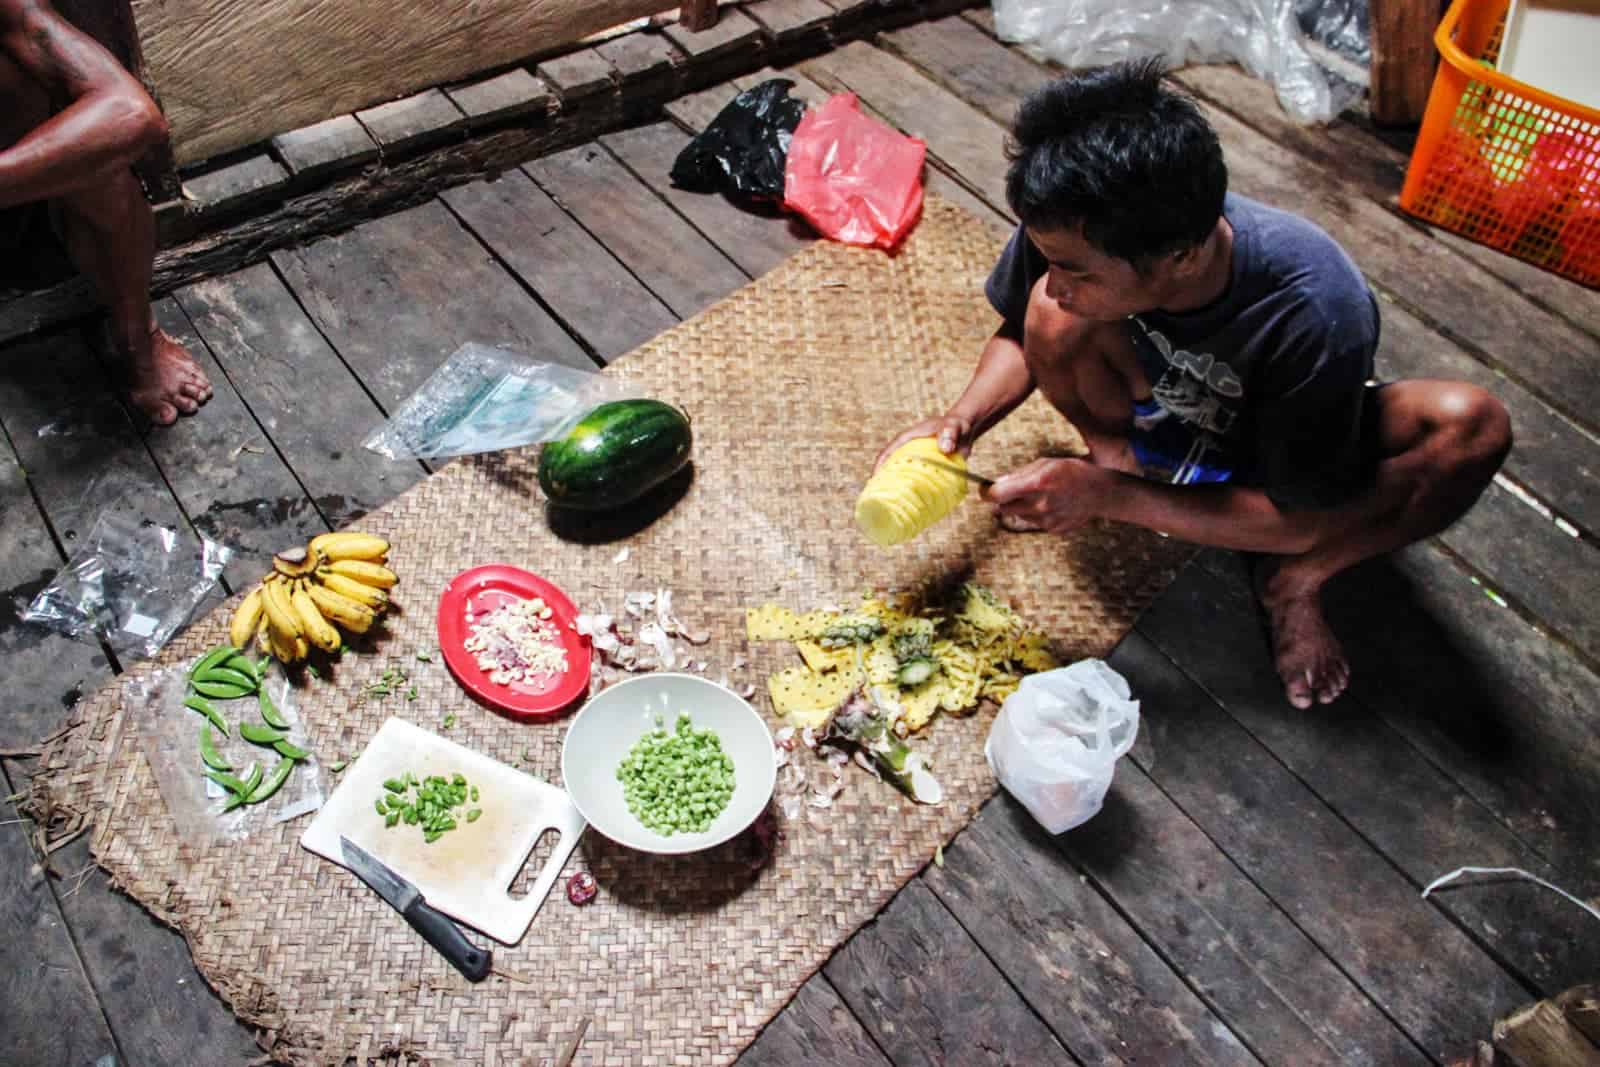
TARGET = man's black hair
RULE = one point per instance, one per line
(1122, 154)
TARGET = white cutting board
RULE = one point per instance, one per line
(465, 873)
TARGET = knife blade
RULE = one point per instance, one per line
(953, 469)
(435, 927)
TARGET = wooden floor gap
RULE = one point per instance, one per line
(1496, 595)
(1155, 946)
(1444, 772)
(1535, 503)
(72, 935)
(1199, 828)
(33, 494)
(556, 199)
(1587, 426)
(522, 283)
(870, 1033)
(644, 180)
(244, 402)
(1449, 915)
(998, 965)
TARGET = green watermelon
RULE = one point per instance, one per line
(616, 452)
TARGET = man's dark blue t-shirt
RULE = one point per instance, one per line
(1266, 385)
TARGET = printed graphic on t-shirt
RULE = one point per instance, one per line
(1180, 434)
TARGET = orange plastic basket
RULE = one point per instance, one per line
(1504, 163)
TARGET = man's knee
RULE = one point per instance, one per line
(1475, 425)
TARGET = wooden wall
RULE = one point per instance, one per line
(233, 72)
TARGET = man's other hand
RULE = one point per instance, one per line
(1055, 495)
(952, 432)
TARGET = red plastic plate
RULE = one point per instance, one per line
(479, 591)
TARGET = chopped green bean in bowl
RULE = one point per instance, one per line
(693, 782)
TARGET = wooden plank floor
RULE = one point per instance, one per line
(1251, 892)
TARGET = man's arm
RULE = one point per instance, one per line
(1000, 383)
(106, 119)
(1060, 495)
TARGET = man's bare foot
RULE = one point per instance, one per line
(1018, 524)
(170, 382)
(1309, 658)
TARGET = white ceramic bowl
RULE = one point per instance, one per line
(615, 718)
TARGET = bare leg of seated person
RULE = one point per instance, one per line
(109, 231)
(1441, 443)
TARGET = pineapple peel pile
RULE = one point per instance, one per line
(913, 661)
(337, 582)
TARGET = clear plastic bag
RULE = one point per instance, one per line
(1342, 25)
(1262, 36)
(131, 582)
(1056, 741)
(169, 734)
(485, 399)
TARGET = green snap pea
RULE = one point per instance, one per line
(270, 712)
(252, 779)
(257, 734)
(472, 816)
(229, 782)
(204, 707)
(208, 750)
(227, 676)
(391, 818)
(211, 659)
(272, 783)
(222, 690)
(244, 665)
(290, 752)
(394, 785)
(382, 809)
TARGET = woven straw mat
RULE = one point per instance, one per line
(792, 383)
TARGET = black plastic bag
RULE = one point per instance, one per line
(745, 148)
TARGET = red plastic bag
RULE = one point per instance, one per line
(853, 178)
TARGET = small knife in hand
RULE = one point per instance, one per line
(432, 924)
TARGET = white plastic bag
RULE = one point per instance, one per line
(1057, 740)
(1262, 36)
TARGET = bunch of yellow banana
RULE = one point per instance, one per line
(339, 578)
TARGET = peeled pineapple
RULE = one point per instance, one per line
(905, 496)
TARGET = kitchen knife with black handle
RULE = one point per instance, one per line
(432, 924)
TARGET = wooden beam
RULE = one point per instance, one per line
(232, 73)
(1582, 1007)
(1540, 1036)
(698, 14)
(1402, 59)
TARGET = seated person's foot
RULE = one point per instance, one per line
(1309, 658)
(1018, 524)
(170, 383)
